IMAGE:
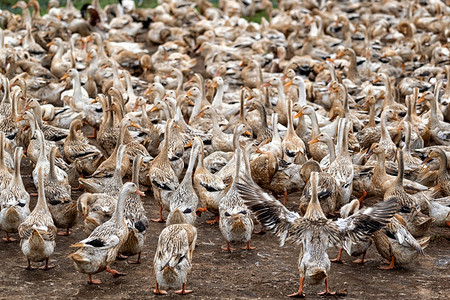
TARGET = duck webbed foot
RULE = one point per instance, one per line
(115, 273)
(299, 293)
(94, 281)
(248, 247)
(183, 290)
(360, 260)
(228, 248)
(157, 291)
(216, 220)
(327, 291)
(390, 266)
(338, 259)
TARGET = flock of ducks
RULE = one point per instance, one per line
(217, 114)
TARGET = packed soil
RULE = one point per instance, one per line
(269, 271)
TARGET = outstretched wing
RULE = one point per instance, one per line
(269, 211)
(367, 221)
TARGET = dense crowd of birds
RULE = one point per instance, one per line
(333, 100)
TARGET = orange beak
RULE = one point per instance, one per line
(49, 44)
(241, 64)
(265, 84)
(191, 103)
(188, 93)
(88, 58)
(89, 38)
(135, 125)
(376, 80)
(340, 54)
(214, 85)
(330, 59)
(148, 92)
(15, 6)
(394, 117)
(247, 133)
(140, 193)
(288, 84)
(64, 77)
(94, 101)
(20, 119)
(299, 114)
(200, 114)
(59, 17)
(316, 140)
(421, 99)
(188, 145)
(154, 108)
(259, 151)
(426, 160)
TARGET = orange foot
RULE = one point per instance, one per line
(216, 220)
(447, 223)
(326, 293)
(94, 281)
(183, 290)
(137, 261)
(299, 294)
(360, 260)
(160, 220)
(64, 233)
(9, 239)
(46, 267)
(115, 273)
(338, 259)
(228, 248)
(200, 210)
(248, 247)
(390, 266)
(157, 291)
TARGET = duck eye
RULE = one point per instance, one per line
(227, 214)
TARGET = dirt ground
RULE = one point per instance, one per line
(267, 272)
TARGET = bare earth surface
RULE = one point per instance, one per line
(267, 272)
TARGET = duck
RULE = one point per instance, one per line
(416, 223)
(51, 133)
(173, 258)
(135, 217)
(184, 198)
(58, 195)
(316, 150)
(9, 125)
(341, 169)
(98, 252)
(329, 192)
(380, 181)
(5, 175)
(96, 209)
(235, 222)
(38, 232)
(386, 142)
(294, 149)
(78, 150)
(314, 232)
(43, 162)
(208, 187)
(162, 176)
(395, 243)
(438, 130)
(59, 66)
(443, 177)
(14, 200)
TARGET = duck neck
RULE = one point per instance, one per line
(188, 176)
(2, 151)
(384, 131)
(276, 136)
(314, 210)
(41, 202)
(197, 107)
(263, 116)
(407, 145)
(7, 93)
(302, 94)
(136, 169)
(52, 174)
(237, 157)
(216, 129)
(281, 97)
(201, 156)
(443, 166)
(218, 97)
(42, 154)
(37, 110)
(259, 75)
(15, 98)
(17, 179)
(59, 51)
(179, 76)
(380, 167)
(389, 98)
(290, 129)
(165, 147)
(330, 144)
(371, 116)
(433, 120)
(118, 214)
(343, 150)
(315, 124)
(77, 94)
(401, 169)
(352, 73)
(130, 90)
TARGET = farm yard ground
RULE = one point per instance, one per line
(267, 272)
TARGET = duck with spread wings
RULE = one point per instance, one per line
(314, 232)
